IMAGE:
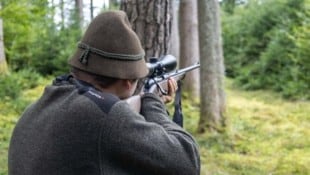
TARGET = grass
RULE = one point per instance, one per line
(265, 134)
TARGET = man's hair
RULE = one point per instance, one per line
(103, 81)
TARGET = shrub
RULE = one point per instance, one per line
(33, 39)
(13, 84)
(265, 46)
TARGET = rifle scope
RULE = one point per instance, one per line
(162, 65)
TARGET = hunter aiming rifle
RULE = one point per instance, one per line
(160, 70)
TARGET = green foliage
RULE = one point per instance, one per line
(265, 46)
(34, 40)
(114, 5)
(19, 31)
(228, 5)
(55, 46)
(12, 85)
(53, 50)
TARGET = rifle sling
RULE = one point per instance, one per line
(178, 115)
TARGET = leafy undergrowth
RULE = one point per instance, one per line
(265, 134)
(10, 110)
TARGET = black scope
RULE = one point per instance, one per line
(162, 65)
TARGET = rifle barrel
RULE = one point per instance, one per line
(187, 69)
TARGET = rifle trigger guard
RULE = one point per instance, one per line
(162, 91)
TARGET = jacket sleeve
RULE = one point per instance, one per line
(149, 143)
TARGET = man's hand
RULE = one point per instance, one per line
(172, 88)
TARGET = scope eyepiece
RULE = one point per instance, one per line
(164, 64)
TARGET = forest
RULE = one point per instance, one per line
(266, 60)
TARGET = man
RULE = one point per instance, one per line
(82, 125)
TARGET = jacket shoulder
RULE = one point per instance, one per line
(104, 101)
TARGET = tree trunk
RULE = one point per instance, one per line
(189, 46)
(3, 64)
(174, 48)
(152, 21)
(91, 10)
(220, 64)
(62, 13)
(80, 14)
(212, 67)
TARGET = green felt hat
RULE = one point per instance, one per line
(110, 48)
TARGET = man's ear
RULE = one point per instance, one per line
(127, 84)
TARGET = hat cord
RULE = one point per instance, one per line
(84, 56)
(123, 57)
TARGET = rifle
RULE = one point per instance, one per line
(160, 70)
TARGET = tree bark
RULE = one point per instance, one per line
(91, 10)
(152, 21)
(62, 13)
(189, 45)
(79, 9)
(174, 48)
(3, 63)
(212, 68)
(220, 65)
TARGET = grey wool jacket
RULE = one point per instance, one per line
(73, 129)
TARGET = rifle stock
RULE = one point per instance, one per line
(134, 102)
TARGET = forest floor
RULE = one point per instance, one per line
(264, 133)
